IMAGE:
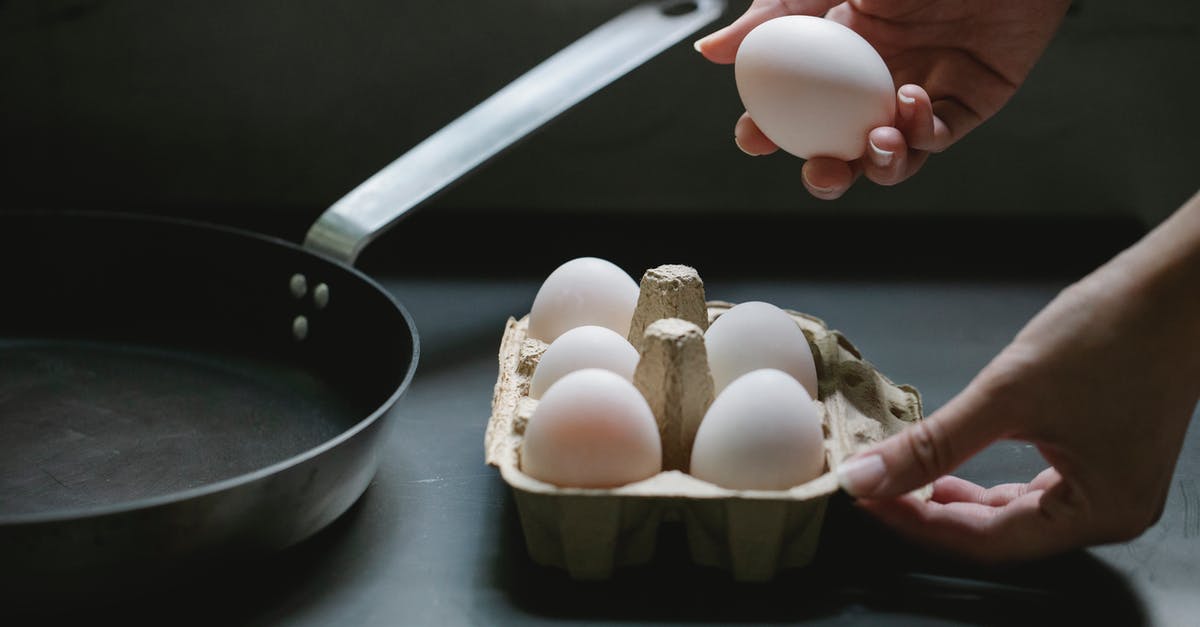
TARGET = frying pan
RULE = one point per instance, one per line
(175, 392)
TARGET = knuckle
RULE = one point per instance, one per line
(1004, 383)
(929, 448)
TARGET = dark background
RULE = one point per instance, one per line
(262, 113)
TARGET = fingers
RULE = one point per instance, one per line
(750, 139)
(828, 178)
(1045, 479)
(888, 159)
(893, 153)
(824, 178)
(951, 489)
(923, 451)
(915, 118)
(721, 46)
(896, 153)
(1035, 524)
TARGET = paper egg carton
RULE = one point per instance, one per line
(752, 533)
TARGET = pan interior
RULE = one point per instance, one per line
(140, 358)
(88, 424)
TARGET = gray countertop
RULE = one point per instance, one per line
(435, 540)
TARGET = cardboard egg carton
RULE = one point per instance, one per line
(752, 533)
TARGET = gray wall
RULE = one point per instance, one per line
(282, 106)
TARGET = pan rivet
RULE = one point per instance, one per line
(298, 285)
(300, 328)
(321, 295)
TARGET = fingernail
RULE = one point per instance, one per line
(739, 145)
(881, 157)
(815, 188)
(699, 44)
(861, 477)
(900, 94)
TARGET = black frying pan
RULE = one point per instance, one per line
(173, 391)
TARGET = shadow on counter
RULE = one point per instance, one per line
(439, 243)
(861, 571)
(726, 245)
(221, 591)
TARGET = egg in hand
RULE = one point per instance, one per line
(813, 86)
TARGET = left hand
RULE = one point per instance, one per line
(1103, 381)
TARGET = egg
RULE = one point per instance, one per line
(591, 429)
(813, 86)
(588, 346)
(583, 291)
(762, 432)
(755, 335)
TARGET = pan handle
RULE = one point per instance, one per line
(572, 74)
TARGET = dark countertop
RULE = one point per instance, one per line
(435, 539)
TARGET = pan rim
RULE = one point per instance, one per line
(207, 489)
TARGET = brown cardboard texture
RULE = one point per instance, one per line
(753, 533)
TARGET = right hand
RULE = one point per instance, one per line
(1104, 381)
(956, 63)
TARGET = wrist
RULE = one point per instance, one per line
(1157, 280)
(1165, 264)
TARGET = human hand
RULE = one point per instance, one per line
(957, 63)
(1104, 381)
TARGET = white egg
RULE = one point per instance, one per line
(763, 432)
(588, 346)
(583, 291)
(592, 429)
(756, 335)
(813, 86)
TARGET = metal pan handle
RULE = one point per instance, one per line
(572, 74)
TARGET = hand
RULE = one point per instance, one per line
(956, 63)
(1104, 381)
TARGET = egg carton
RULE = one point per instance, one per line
(752, 533)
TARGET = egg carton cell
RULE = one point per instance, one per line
(591, 532)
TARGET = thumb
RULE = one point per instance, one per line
(722, 46)
(923, 451)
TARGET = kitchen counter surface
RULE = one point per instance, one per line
(435, 540)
